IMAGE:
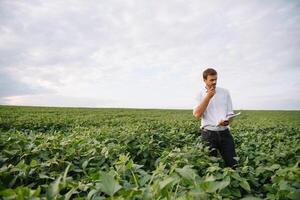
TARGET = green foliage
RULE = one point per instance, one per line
(77, 153)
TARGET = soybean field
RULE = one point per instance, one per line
(114, 153)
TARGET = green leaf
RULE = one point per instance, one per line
(236, 176)
(212, 186)
(236, 192)
(295, 195)
(147, 193)
(91, 194)
(84, 164)
(251, 198)
(166, 182)
(130, 164)
(33, 163)
(210, 178)
(259, 170)
(108, 185)
(53, 190)
(223, 184)
(273, 167)
(22, 192)
(244, 184)
(213, 168)
(70, 193)
(186, 172)
(43, 176)
(144, 179)
(65, 174)
(8, 193)
(283, 185)
(37, 192)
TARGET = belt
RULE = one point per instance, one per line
(215, 128)
(220, 131)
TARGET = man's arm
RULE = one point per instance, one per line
(226, 122)
(229, 104)
(200, 109)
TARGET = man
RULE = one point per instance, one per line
(214, 106)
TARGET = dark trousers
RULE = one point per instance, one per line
(222, 141)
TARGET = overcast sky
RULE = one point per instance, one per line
(148, 54)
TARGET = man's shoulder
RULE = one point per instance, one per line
(223, 90)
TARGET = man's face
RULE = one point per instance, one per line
(211, 81)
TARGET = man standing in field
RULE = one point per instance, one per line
(214, 106)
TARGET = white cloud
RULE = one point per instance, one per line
(58, 100)
(149, 53)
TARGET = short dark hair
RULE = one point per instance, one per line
(209, 71)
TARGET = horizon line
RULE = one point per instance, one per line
(141, 108)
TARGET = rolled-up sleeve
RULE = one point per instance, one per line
(229, 104)
(198, 101)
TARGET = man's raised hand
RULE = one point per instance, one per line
(211, 92)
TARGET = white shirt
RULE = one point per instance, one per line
(219, 107)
